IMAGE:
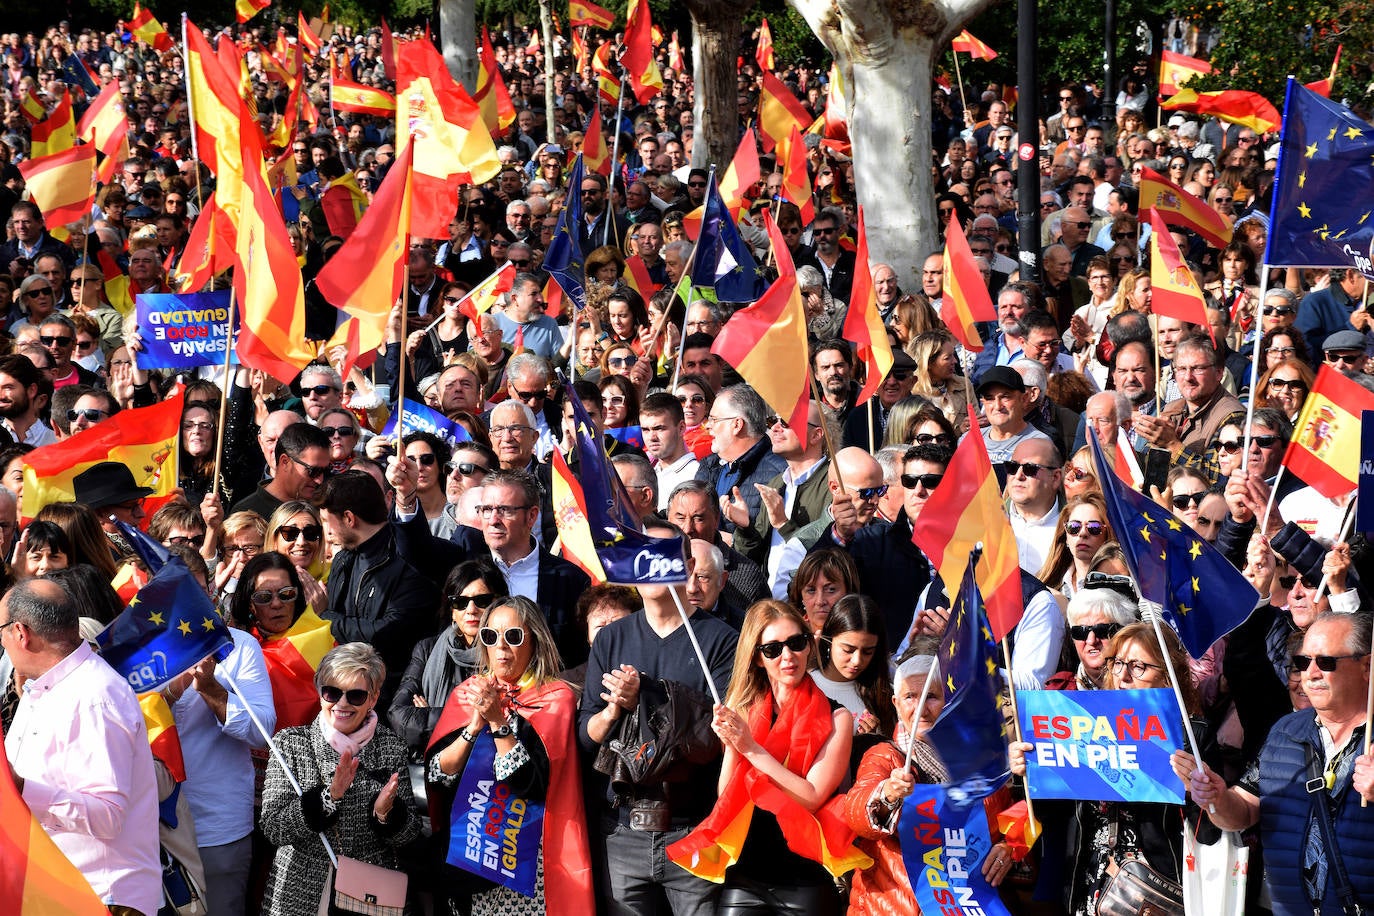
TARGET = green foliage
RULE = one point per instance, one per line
(793, 39)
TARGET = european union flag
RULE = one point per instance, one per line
(722, 260)
(970, 732)
(153, 554)
(169, 627)
(1323, 209)
(564, 259)
(1202, 595)
(74, 73)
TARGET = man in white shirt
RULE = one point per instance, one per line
(662, 424)
(1034, 475)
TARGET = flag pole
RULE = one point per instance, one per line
(1346, 525)
(911, 737)
(615, 163)
(1255, 371)
(224, 395)
(405, 307)
(687, 303)
(1153, 617)
(696, 646)
(963, 102)
(825, 431)
(1273, 494)
(1368, 720)
(1016, 721)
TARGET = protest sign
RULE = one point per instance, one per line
(943, 846)
(419, 418)
(495, 834)
(182, 330)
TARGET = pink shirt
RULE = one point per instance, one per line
(80, 744)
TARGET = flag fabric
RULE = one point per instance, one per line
(306, 35)
(1323, 87)
(55, 133)
(964, 510)
(1325, 448)
(1177, 69)
(584, 12)
(75, 73)
(292, 659)
(553, 298)
(779, 110)
(863, 324)
(389, 47)
(766, 342)
(965, 42)
(1124, 462)
(1175, 291)
(214, 98)
(492, 97)
(965, 299)
(565, 258)
(347, 95)
(796, 181)
(1321, 211)
(636, 276)
(32, 107)
(36, 879)
(645, 79)
(1249, 109)
(740, 176)
(344, 203)
(764, 52)
(105, 124)
(147, 29)
(247, 9)
(162, 733)
(722, 260)
(836, 117)
(452, 148)
(62, 184)
(1179, 208)
(209, 249)
(1170, 563)
(675, 59)
(484, 295)
(570, 514)
(581, 59)
(607, 83)
(595, 155)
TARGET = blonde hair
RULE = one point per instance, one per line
(748, 679)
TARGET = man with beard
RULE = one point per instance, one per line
(601, 225)
(22, 400)
(832, 365)
(1133, 374)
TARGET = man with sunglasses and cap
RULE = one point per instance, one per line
(866, 424)
(1345, 352)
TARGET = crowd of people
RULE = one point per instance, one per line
(406, 627)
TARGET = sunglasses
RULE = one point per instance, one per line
(928, 481)
(931, 438)
(1092, 528)
(311, 533)
(1325, 663)
(691, 398)
(1184, 499)
(1082, 224)
(1279, 310)
(44, 291)
(309, 470)
(356, 697)
(1029, 468)
(1103, 631)
(61, 340)
(482, 601)
(89, 414)
(1350, 359)
(425, 459)
(1291, 384)
(623, 362)
(319, 391)
(1288, 581)
(263, 597)
(513, 636)
(1076, 474)
(872, 492)
(470, 469)
(796, 643)
(343, 432)
(195, 540)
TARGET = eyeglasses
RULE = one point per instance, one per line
(712, 421)
(309, 470)
(506, 512)
(1291, 384)
(1103, 631)
(623, 362)
(1123, 259)
(482, 601)
(311, 533)
(613, 400)
(796, 644)
(61, 340)
(343, 432)
(927, 481)
(691, 399)
(1082, 224)
(819, 231)
(1285, 352)
(1119, 236)
(356, 697)
(191, 426)
(248, 550)
(931, 438)
(514, 429)
(1077, 474)
(899, 375)
(1135, 666)
(1029, 468)
(1075, 127)
(1182, 500)
(89, 414)
(870, 493)
(319, 391)
(263, 597)
(1092, 529)
(1350, 359)
(513, 636)
(181, 540)
(470, 469)
(1325, 663)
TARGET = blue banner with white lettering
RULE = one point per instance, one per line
(420, 418)
(1102, 745)
(943, 847)
(494, 833)
(182, 330)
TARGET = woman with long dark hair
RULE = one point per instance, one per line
(853, 664)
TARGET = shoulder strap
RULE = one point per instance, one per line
(1321, 804)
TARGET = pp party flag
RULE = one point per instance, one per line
(1179, 208)
(863, 324)
(764, 52)
(1321, 212)
(486, 294)
(247, 9)
(36, 879)
(56, 132)
(584, 12)
(607, 83)
(645, 79)
(722, 260)
(941, 872)
(492, 97)
(1323, 87)
(291, 661)
(452, 147)
(307, 37)
(965, 42)
(1177, 69)
(570, 514)
(596, 156)
(564, 259)
(766, 342)
(1325, 449)
(365, 276)
(796, 181)
(779, 111)
(1171, 564)
(1249, 109)
(1176, 293)
(347, 95)
(147, 29)
(965, 299)
(740, 176)
(62, 184)
(418, 417)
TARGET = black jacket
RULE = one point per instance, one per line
(892, 569)
(758, 465)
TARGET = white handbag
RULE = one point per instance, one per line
(1214, 877)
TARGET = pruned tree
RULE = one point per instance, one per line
(885, 49)
(716, 28)
(458, 40)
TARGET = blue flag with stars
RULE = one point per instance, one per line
(169, 627)
(565, 258)
(1202, 595)
(969, 734)
(1324, 186)
(722, 261)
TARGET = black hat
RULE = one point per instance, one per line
(902, 360)
(107, 483)
(142, 212)
(1001, 375)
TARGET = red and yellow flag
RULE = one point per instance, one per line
(645, 79)
(486, 294)
(965, 42)
(763, 54)
(584, 12)
(105, 125)
(675, 59)
(779, 111)
(55, 133)
(966, 509)
(1323, 87)
(1325, 449)
(32, 107)
(607, 83)
(1175, 291)
(836, 119)
(146, 28)
(796, 181)
(209, 249)
(595, 156)
(62, 184)
(498, 112)
(553, 298)
(636, 275)
(964, 298)
(570, 515)
(292, 659)
(215, 99)
(766, 342)
(247, 9)
(1177, 69)
(1179, 208)
(1249, 109)
(306, 35)
(162, 733)
(346, 95)
(740, 176)
(863, 324)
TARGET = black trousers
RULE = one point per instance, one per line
(742, 897)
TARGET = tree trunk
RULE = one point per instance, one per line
(546, 29)
(715, 38)
(458, 40)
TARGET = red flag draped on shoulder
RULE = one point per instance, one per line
(498, 112)
(147, 29)
(1249, 109)
(63, 184)
(584, 12)
(796, 181)
(1325, 449)
(779, 110)
(964, 299)
(766, 342)
(291, 662)
(963, 511)
(1174, 289)
(645, 79)
(965, 42)
(1179, 208)
(764, 52)
(863, 324)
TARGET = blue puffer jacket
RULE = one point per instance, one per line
(1286, 809)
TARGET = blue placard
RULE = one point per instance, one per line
(1364, 508)
(943, 847)
(1102, 745)
(494, 833)
(182, 330)
(420, 418)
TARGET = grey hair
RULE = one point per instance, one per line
(351, 659)
(713, 556)
(328, 372)
(641, 472)
(1287, 295)
(751, 407)
(1358, 642)
(524, 363)
(889, 458)
(1033, 374)
(682, 248)
(1120, 403)
(54, 619)
(58, 318)
(526, 415)
(809, 277)
(917, 666)
(1114, 606)
(515, 205)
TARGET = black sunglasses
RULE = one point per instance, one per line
(1030, 468)
(1182, 500)
(342, 432)
(929, 481)
(797, 643)
(928, 438)
(356, 697)
(1122, 585)
(1103, 631)
(89, 414)
(311, 533)
(468, 468)
(61, 340)
(425, 459)
(1325, 663)
(318, 391)
(482, 601)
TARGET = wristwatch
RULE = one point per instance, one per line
(505, 731)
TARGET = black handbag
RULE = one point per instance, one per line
(1138, 890)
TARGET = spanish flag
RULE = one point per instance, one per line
(62, 184)
(965, 510)
(55, 133)
(645, 79)
(1322, 87)
(247, 9)
(162, 733)
(306, 35)
(763, 54)
(796, 182)
(965, 42)
(570, 514)
(580, 56)
(105, 125)
(1179, 208)
(215, 99)
(498, 112)
(1325, 449)
(584, 12)
(346, 95)
(863, 325)
(1175, 292)
(143, 438)
(1249, 109)
(344, 204)
(595, 156)
(486, 294)
(675, 59)
(291, 662)
(1177, 69)
(32, 107)
(36, 879)
(779, 111)
(636, 276)
(607, 83)
(964, 298)
(740, 176)
(147, 29)
(209, 249)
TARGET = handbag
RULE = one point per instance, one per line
(180, 892)
(1138, 890)
(361, 888)
(1215, 875)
